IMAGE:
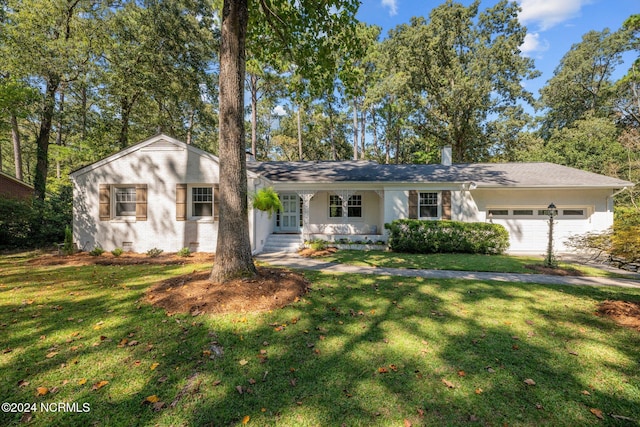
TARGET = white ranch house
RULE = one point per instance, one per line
(162, 193)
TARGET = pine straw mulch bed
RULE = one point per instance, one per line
(193, 293)
(624, 313)
(273, 287)
(558, 271)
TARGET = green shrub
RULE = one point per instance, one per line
(154, 252)
(318, 245)
(15, 223)
(68, 248)
(34, 223)
(418, 236)
(97, 251)
(117, 252)
(184, 252)
(626, 229)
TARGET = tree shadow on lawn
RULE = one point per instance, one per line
(68, 337)
(377, 351)
(355, 350)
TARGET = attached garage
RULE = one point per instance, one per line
(529, 227)
(524, 213)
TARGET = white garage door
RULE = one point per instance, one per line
(529, 227)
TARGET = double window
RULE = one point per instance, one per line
(354, 206)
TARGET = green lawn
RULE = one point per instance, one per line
(456, 262)
(357, 350)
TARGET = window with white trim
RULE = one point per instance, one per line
(335, 206)
(125, 201)
(202, 201)
(354, 206)
(428, 205)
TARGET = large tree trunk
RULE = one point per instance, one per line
(233, 251)
(17, 151)
(42, 142)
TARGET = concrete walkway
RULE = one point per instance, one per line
(292, 260)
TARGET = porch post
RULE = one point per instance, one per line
(306, 196)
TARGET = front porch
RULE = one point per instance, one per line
(332, 215)
(343, 216)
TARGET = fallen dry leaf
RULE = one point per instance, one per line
(529, 381)
(41, 391)
(479, 391)
(407, 423)
(586, 393)
(154, 365)
(82, 381)
(150, 399)
(448, 383)
(243, 362)
(383, 370)
(461, 373)
(597, 413)
(99, 385)
(51, 354)
(246, 419)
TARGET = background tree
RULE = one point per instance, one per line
(582, 82)
(465, 71)
(48, 41)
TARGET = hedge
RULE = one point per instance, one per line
(35, 224)
(418, 236)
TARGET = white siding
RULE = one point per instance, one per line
(161, 166)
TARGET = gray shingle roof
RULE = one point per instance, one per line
(483, 174)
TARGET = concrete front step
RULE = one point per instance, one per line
(283, 243)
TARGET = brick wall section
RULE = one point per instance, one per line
(10, 187)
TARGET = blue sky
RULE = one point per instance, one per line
(552, 25)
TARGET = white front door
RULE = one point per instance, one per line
(290, 215)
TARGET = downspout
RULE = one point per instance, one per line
(610, 198)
